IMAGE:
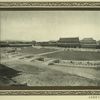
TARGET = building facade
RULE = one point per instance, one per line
(98, 44)
(88, 43)
(69, 42)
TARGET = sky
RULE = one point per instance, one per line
(49, 25)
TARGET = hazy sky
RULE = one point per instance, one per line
(49, 25)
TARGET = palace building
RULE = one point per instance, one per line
(88, 43)
(69, 42)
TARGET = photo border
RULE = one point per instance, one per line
(76, 5)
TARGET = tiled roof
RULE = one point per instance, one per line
(69, 40)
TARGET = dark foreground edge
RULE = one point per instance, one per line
(15, 6)
(51, 90)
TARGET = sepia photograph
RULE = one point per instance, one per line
(49, 48)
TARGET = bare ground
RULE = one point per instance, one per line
(39, 73)
(35, 74)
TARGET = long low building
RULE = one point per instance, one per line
(15, 44)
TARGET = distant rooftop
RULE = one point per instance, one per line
(88, 40)
(70, 39)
